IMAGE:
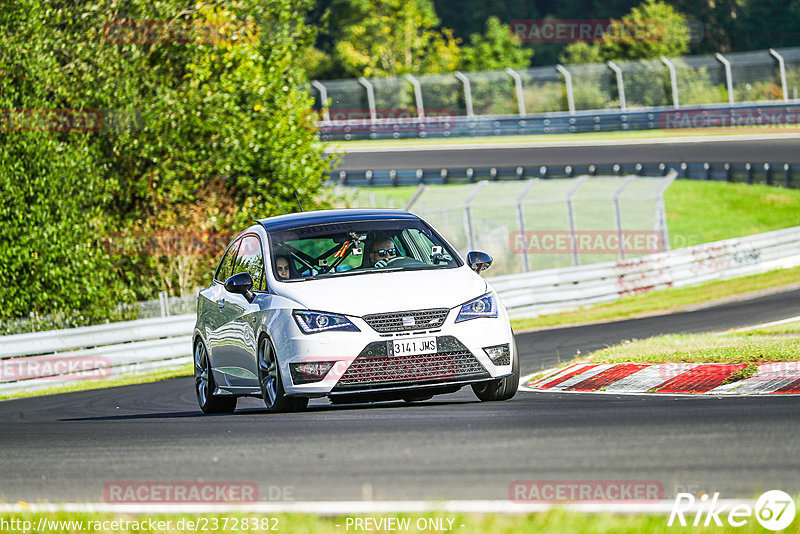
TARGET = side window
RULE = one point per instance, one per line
(226, 265)
(250, 260)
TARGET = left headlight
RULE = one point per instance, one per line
(311, 322)
(484, 306)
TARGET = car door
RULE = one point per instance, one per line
(235, 358)
(211, 302)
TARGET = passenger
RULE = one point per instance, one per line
(282, 266)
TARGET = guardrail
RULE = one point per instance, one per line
(711, 116)
(768, 173)
(754, 88)
(58, 357)
(555, 290)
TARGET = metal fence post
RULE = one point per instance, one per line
(467, 92)
(417, 193)
(417, 95)
(370, 97)
(573, 238)
(728, 76)
(518, 87)
(163, 301)
(323, 96)
(618, 215)
(661, 216)
(568, 81)
(673, 81)
(620, 84)
(468, 227)
(782, 68)
(521, 222)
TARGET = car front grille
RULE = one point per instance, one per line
(375, 369)
(406, 321)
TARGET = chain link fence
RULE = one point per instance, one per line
(528, 225)
(404, 106)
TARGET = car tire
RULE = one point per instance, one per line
(503, 388)
(269, 378)
(204, 385)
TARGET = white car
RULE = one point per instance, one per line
(353, 305)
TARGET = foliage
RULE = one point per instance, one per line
(650, 30)
(231, 110)
(392, 37)
(496, 49)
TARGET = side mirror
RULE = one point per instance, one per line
(242, 284)
(478, 261)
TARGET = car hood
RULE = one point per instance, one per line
(383, 292)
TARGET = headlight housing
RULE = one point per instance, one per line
(483, 306)
(312, 322)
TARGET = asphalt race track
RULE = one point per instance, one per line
(778, 150)
(68, 447)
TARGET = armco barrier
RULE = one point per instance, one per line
(733, 116)
(766, 173)
(554, 290)
(59, 357)
(166, 342)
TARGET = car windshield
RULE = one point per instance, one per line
(358, 247)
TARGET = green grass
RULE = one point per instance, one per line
(703, 348)
(665, 300)
(702, 212)
(786, 328)
(553, 521)
(557, 138)
(125, 380)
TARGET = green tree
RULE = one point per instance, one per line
(224, 134)
(497, 48)
(651, 30)
(392, 37)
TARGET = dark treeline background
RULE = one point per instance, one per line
(717, 25)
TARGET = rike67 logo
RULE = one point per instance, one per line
(774, 510)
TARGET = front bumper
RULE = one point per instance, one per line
(364, 364)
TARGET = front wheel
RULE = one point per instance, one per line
(502, 388)
(204, 385)
(269, 377)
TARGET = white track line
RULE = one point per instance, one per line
(328, 508)
(765, 325)
(342, 146)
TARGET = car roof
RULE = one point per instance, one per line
(309, 218)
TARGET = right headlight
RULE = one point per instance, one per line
(311, 322)
(483, 306)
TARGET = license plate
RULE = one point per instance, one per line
(419, 345)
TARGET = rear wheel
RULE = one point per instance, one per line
(204, 385)
(502, 388)
(269, 377)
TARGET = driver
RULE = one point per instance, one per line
(381, 252)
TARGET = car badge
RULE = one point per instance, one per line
(408, 321)
(434, 322)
